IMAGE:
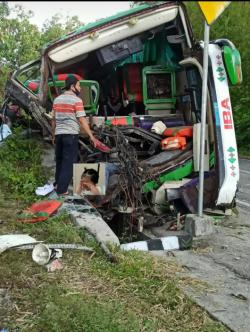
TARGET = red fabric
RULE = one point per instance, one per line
(64, 108)
(124, 121)
(132, 82)
(62, 77)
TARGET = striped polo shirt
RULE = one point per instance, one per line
(67, 108)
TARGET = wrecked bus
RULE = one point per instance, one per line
(141, 78)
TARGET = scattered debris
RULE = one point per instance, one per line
(239, 296)
(54, 265)
(42, 254)
(102, 147)
(47, 257)
(158, 127)
(5, 131)
(216, 212)
(14, 240)
(169, 191)
(189, 192)
(59, 246)
(39, 211)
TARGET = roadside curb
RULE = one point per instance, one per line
(199, 226)
(167, 243)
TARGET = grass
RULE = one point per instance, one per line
(138, 293)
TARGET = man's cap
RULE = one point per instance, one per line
(69, 81)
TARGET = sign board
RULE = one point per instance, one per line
(212, 9)
(225, 132)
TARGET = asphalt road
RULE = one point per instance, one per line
(222, 261)
(243, 194)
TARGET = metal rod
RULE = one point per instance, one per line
(203, 120)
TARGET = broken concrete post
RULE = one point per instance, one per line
(84, 215)
(199, 226)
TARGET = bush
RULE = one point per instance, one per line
(20, 169)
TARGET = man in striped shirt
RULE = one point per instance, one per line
(68, 120)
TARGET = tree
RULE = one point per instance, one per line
(21, 41)
(233, 25)
(54, 28)
(4, 9)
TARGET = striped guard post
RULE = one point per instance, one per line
(180, 242)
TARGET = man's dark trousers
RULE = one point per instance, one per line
(66, 156)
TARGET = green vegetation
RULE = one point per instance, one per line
(233, 25)
(21, 41)
(20, 167)
(90, 294)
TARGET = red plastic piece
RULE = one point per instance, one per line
(40, 211)
(102, 147)
(179, 131)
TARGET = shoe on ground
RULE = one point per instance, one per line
(45, 190)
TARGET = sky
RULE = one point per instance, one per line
(87, 11)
